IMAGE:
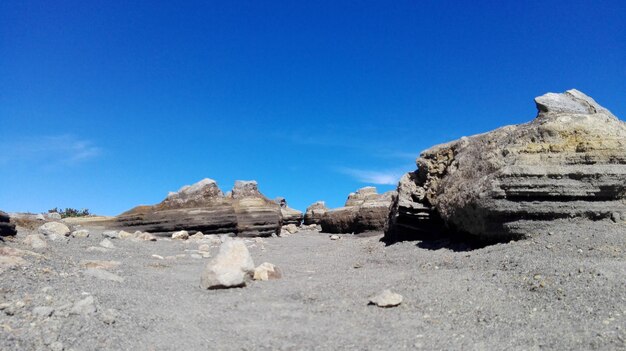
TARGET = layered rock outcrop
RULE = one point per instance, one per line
(569, 162)
(290, 215)
(314, 213)
(365, 210)
(6, 227)
(203, 207)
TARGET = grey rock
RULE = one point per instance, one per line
(53, 216)
(54, 230)
(386, 298)
(180, 235)
(314, 213)
(267, 271)
(290, 228)
(569, 162)
(106, 243)
(232, 267)
(110, 234)
(82, 233)
(36, 241)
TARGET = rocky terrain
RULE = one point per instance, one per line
(365, 210)
(569, 162)
(560, 289)
(514, 239)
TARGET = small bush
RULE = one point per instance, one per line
(71, 212)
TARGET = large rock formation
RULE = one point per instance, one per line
(365, 210)
(6, 227)
(290, 215)
(314, 213)
(203, 207)
(570, 161)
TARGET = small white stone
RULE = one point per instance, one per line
(335, 237)
(386, 298)
(180, 235)
(106, 243)
(83, 233)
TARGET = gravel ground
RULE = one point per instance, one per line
(562, 289)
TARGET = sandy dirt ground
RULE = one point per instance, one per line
(564, 288)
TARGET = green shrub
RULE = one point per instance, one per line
(71, 212)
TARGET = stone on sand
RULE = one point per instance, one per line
(180, 235)
(232, 267)
(53, 230)
(35, 241)
(267, 271)
(82, 233)
(106, 243)
(386, 298)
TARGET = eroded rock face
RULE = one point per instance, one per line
(203, 207)
(313, 214)
(569, 162)
(6, 227)
(290, 215)
(365, 210)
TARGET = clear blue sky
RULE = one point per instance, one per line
(109, 104)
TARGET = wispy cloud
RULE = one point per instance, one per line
(386, 177)
(50, 151)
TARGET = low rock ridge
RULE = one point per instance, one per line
(569, 162)
(244, 211)
(365, 210)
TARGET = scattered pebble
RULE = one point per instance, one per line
(335, 237)
(158, 257)
(106, 243)
(122, 234)
(386, 298)
(83, 233)
(110, 234)
(180, 235)
(267, 271)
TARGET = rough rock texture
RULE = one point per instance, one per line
(267, 271)
(313, 214)
(386, 298)
(569, 162)
(231, 268)
(290, 215)
(53, 230)
(202, 207)
(6, 227)
(256, 215)
(365, 210)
